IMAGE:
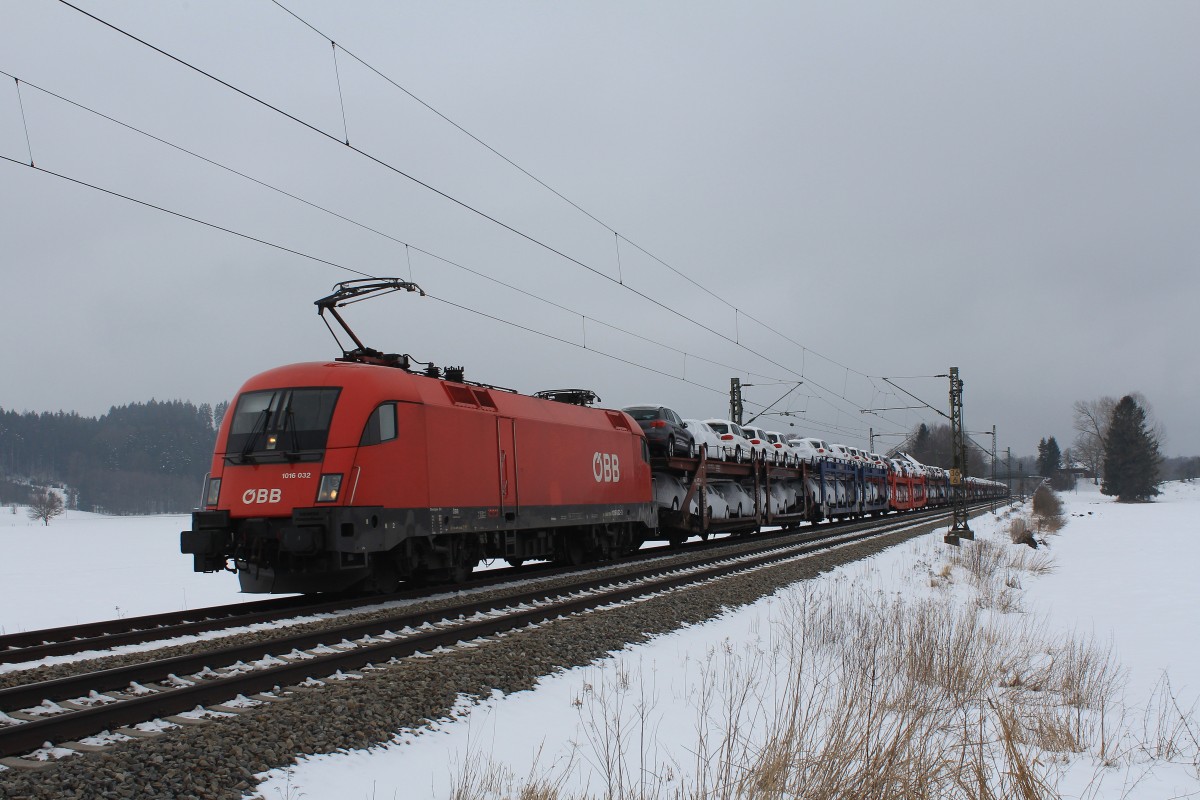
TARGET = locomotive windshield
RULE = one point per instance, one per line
(281, 425)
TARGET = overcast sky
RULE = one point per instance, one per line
(893, 188)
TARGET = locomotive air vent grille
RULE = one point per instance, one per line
(461, 395)
(618, 420)
(485, 398)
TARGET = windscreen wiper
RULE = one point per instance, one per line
(261, 422)
(289, 424)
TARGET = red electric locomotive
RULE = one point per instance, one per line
(361, 473)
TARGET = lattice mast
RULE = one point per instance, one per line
(958, 474)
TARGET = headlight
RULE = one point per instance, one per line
(330, 486)
(214, 491)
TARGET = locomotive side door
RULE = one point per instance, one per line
(507, 458)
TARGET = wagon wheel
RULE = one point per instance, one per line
(461, 572)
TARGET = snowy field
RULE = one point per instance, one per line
(86, 567)
(1125, 574)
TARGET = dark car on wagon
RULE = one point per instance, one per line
(665, 431)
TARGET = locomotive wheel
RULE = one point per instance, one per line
(576, 552)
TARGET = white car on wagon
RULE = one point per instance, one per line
(763, 448)
(732, 436)
(811, 449)
(703, 434)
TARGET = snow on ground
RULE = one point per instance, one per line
(1130, 571)
(1124, 572)
(85, 567)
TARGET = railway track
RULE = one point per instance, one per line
(104, 635)
(86, 704)
(97, 637)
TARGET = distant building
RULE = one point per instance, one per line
(1078, 470)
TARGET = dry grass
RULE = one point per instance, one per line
(480, 777)
(1053, 731)
(994, 570)
(1169, 731)
(849, 693)
(1023, 779)
(848, 697)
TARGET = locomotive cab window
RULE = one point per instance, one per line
(381, 425)
(281, 425)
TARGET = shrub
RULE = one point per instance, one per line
(1046, 503)
(1048, 509)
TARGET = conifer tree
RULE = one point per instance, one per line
(1132, 458)
(1049, 458)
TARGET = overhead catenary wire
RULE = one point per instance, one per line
(467, 206)
(408, 246)
(333, 264)
(329, 263)
(611, 356)
(425, 185)
(432, 109)
(187, 217)
(827, 391)
(543, 334)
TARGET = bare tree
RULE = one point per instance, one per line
(1153, 424)
(45, 504)
(1091, 424)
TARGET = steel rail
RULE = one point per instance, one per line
(48, 637)
(35, 645)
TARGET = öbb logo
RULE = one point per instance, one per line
(251, 496)
(606, 468)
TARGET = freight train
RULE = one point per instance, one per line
(363, 473)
